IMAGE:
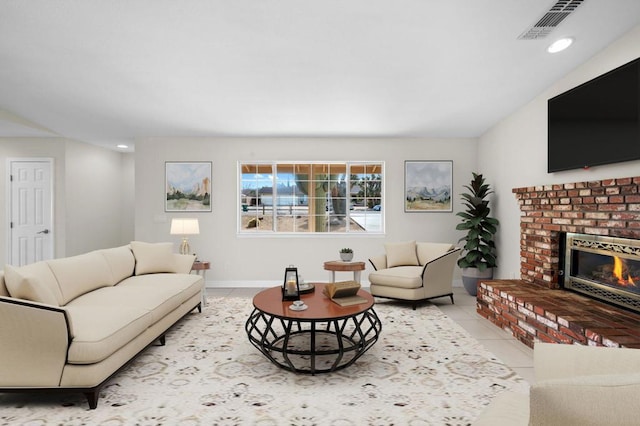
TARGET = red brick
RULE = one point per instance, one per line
(624, 181)
(560, 337)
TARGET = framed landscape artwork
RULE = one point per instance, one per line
(428, 186)
(187, 186)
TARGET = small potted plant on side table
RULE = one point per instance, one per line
(346, 254)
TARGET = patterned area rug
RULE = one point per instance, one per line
(424, 370)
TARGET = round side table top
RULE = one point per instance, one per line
(200, 265)
(339, 265)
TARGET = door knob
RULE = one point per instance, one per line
(46, 231)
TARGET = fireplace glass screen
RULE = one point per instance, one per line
(609, 270)
(603, 267)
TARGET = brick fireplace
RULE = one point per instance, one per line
(534, 307)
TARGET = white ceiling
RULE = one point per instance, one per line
(112, 71)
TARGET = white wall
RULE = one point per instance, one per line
(257, 261)
(513, 153)
(93, 190)
(98, 187)
(128, 188)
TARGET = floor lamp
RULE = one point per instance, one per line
(184, 227)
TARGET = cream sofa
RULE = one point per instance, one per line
(414, 271)
(71, 323)
(575, 386)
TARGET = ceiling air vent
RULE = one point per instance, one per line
(554, 16)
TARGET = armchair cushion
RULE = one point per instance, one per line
(401, 254)
(400, 276)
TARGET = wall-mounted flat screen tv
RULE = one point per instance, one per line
(597, 122)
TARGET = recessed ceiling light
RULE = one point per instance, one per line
(122, 146)
(560, 45)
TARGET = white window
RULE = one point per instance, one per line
(310, 197)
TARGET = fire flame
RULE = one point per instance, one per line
(618, 270)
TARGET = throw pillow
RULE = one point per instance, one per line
(30, 283)
(77, 275)
(401, 254)
(121, 261)
(153, 258)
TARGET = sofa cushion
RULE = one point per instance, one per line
(156, 293)
(101, 329)
(168, 291)
(121, 262)
(401, 254)
(34, 282)
(80, 274)
(124, 311)
(153, 258)
(429, 251)
(400, 276)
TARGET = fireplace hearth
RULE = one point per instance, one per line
(603, 267)
(538, 306)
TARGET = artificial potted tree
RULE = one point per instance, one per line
(478, 255)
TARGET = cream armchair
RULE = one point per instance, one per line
(575, 386)
(414, 271)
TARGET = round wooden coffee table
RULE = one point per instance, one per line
(323, 338)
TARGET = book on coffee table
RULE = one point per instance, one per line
(344, 293)
(349, 300)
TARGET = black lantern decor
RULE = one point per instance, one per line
(290, 287)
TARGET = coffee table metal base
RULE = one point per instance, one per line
(310, 346)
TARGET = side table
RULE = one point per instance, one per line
(202, 266)
(340, 266)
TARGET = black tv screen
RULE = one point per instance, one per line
(597, 122)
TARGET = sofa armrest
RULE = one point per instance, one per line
(557, 361)
(35, 339)
(437, 274)
(378, 262)
(586, 400)
(183, 263)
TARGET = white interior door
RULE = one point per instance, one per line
(31, 213)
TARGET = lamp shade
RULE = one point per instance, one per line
(184, 227)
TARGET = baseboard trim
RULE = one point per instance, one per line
(273, 283)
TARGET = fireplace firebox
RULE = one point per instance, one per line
(602, 267)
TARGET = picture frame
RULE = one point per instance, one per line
(428, 186)
(187, 186)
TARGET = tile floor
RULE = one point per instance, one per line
(513, 353)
